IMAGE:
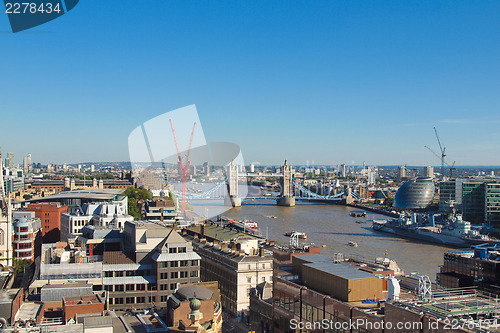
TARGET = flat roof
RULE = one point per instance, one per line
(70, 285)
(78, 300)
(93, 194)
(342, 270)
(28, 310)
(220, 233)
(326, 264)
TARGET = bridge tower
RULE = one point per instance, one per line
(286, 196)
(232, 185)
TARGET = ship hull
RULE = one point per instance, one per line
(430, 237)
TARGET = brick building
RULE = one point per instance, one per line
(79, 306)
(50, 215)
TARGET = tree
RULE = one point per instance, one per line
(137, 193)
(134, 195)
(19, 264)
(389, 201)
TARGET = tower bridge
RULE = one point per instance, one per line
(291, 189)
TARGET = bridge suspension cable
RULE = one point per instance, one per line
(315, 195)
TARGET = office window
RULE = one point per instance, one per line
(174, 264)
(194, 274)
(174, 275)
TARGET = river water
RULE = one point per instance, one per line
(332, 225)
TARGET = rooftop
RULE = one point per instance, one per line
(86, 299)
(342, 270)
(192, 291)
(117, 257)
(220, 233)
(326, 264)
(70, 285)
(7, 295)
(93, 194)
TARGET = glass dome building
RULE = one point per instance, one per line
(415, 193)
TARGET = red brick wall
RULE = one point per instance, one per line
(50, 215)
(70, 311)
(16, 304)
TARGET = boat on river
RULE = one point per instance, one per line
(453, 231)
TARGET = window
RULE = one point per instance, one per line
(184, 274)
(108, 274)
(130, 300)
(151, 299)
(141, 300)
(174, 264)
(194, 274)
(108, 288)
(194, 262)
(129, 273)
(249, 279)
(182, 250)
(173, 286)
(130, 287)
(119, 274)
(174, 275)
(119, 287)
(119, 300)
(140, 287)
(184, 263)
(172, 250)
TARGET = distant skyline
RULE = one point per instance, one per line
(329, 82)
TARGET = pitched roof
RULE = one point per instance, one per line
(117, 257)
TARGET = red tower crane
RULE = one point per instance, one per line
(183, 165)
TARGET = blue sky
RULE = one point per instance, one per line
(324, 81)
